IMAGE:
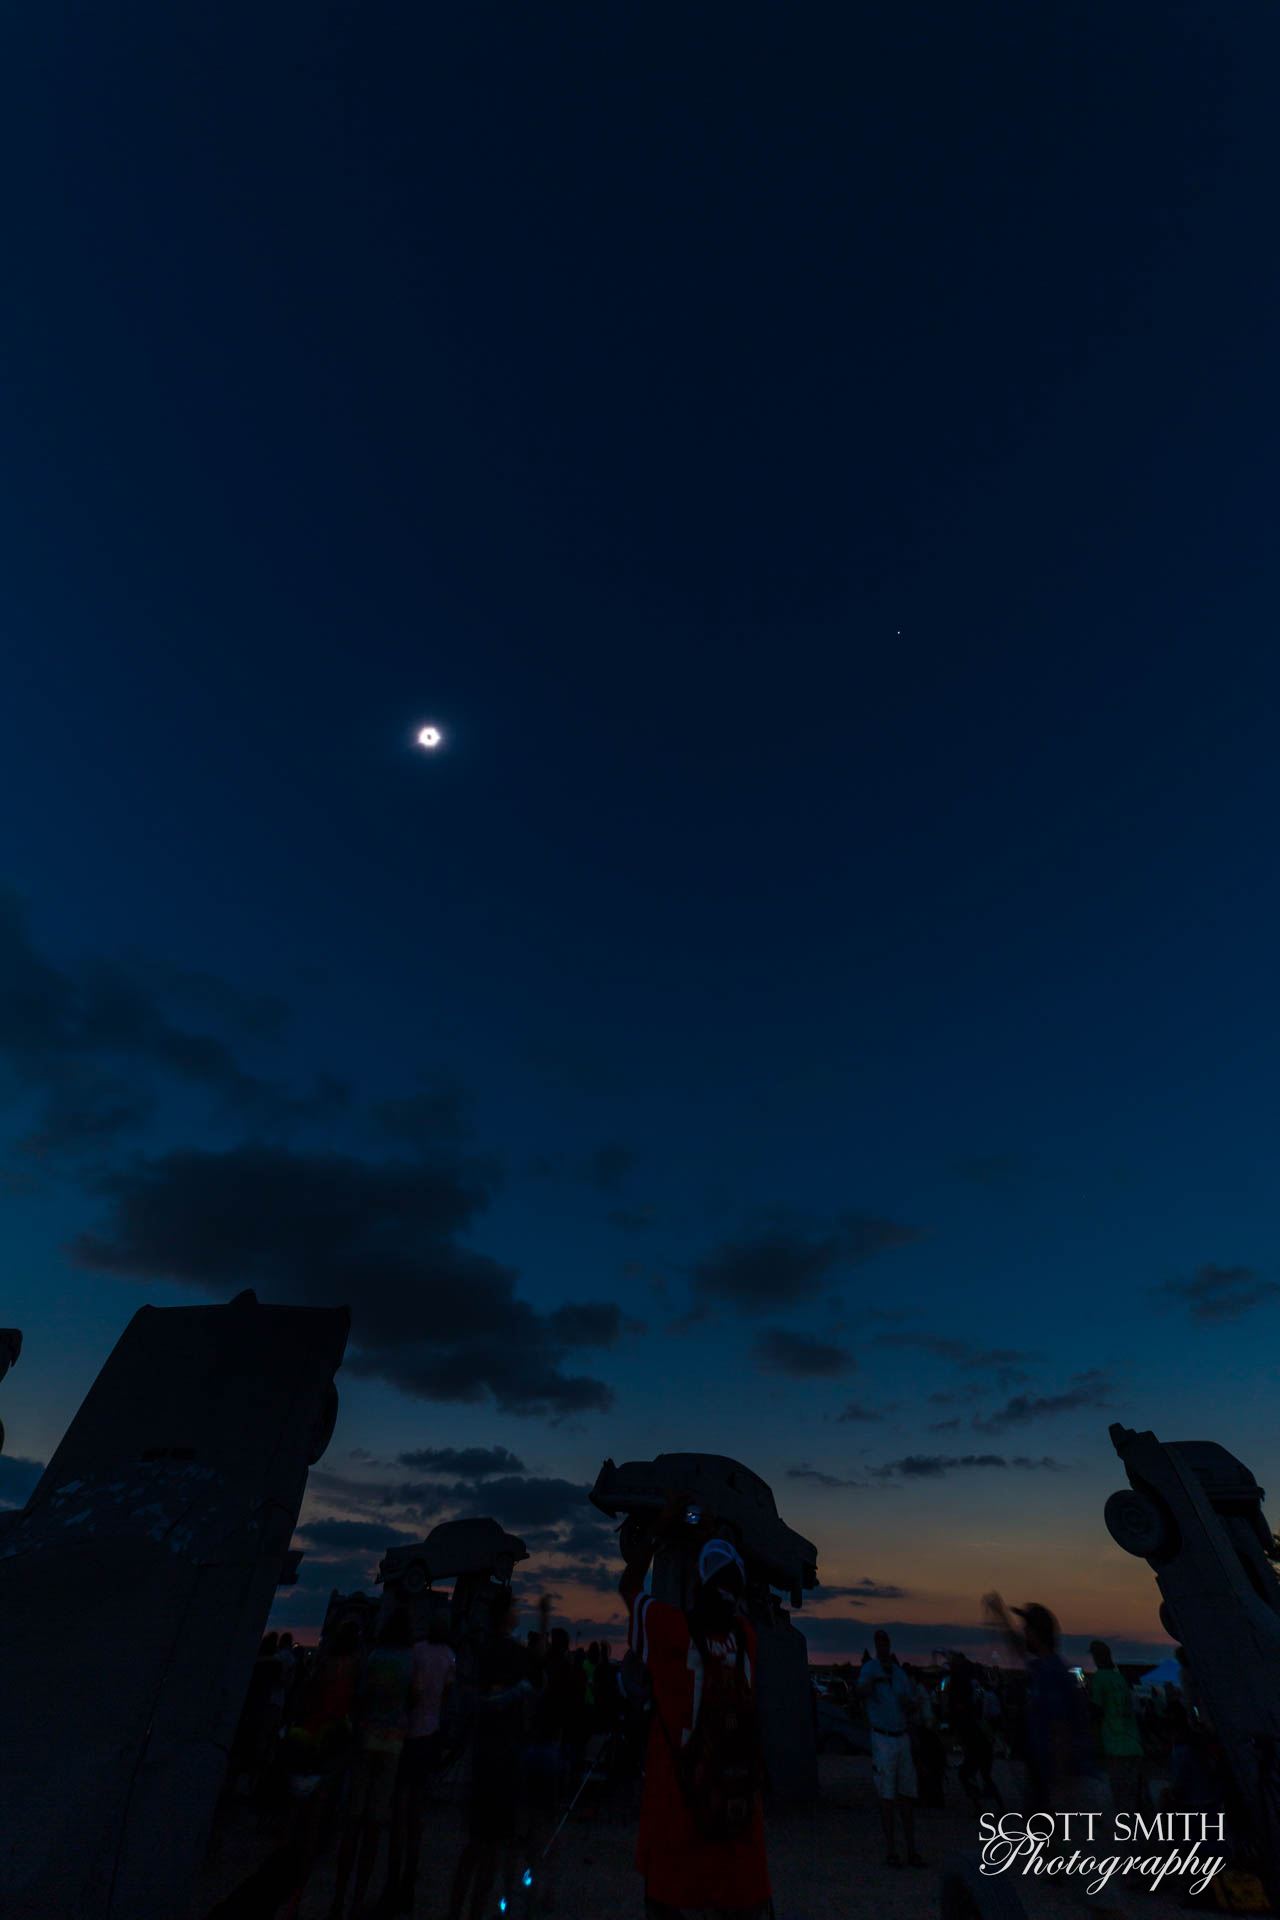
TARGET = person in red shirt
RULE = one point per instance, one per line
(687, 1874)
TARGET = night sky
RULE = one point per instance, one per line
(817, 467)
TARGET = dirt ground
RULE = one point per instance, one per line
(826, 1861)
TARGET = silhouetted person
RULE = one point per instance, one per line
(966, 1711)
(701, 1844)
(889, 1697)
(606, 1690)
(578, 1728)
(505, 1694)
(434, 1669)
(590, 1667)
(1117, 1726)
(555, 1717)
(319, 1752)
(1195, 1775)
(631, 1725)
(255, 1743)
(382, 1723)
(1063, 1773)
(928, 1750)
(1059, 1744)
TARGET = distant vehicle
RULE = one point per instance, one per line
(838, 1731)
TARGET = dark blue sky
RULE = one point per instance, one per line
(817, 466)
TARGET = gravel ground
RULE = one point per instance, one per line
(826, 1861)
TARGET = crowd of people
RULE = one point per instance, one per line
(353, 1741)
(956, 1718)
(1068, 1741)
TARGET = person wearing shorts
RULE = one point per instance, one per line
(889, 1697)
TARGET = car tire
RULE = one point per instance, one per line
(1141, 1524)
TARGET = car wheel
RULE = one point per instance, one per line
(1140, 1524)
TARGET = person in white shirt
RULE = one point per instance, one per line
(434, 1675)
(890, 1701)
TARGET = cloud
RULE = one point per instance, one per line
(837, 1636)
(855, 1411)
(1091, 1389)
(1221, 1293)
(371, 1498)
(523, 1503)
(601, 1576)
(931, 1466)
(518, 1502)
(429, 1314)
(779, 1351)
(378, 1535)
(568, 1540)
(18, 1479)
(860, 1592)
(317, 1579)
(1005, 1363)
(249, 1015)
(783, 1267)
(86, 1045)
(590, 1533)
(819, 1479)
(591, 1324)
(945, 1426)
(464, 1463)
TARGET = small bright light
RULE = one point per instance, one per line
(528, 1878)
(430, 738)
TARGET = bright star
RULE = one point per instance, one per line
(430, 738)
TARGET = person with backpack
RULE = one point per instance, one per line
(701, 1846)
